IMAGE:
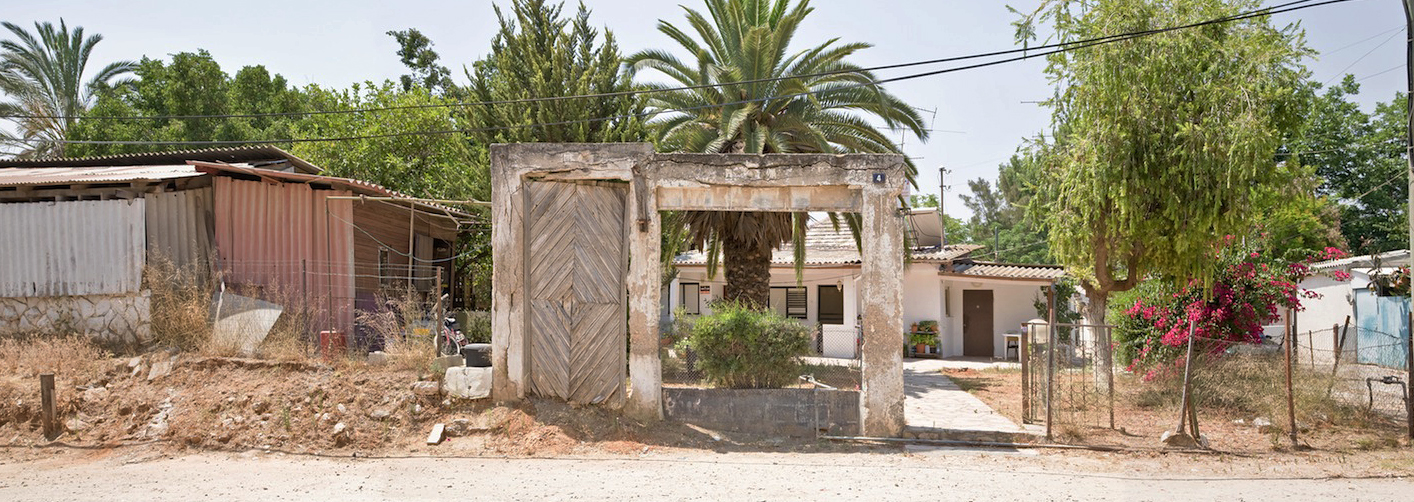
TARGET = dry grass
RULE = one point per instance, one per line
(407, 348)
(74, 356)
(1255, 386)
(181, 305)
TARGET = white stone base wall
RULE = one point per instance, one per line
(115, 319)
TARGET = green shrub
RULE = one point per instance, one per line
(477, 326)
(741, 347)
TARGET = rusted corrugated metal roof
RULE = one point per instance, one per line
(72, 248)
(356, 187)
(824, 245)
(972, 268)
(20, 176)
(227, 155)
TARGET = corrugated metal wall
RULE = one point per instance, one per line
(71, 248)
(278, 236)
(180, 228)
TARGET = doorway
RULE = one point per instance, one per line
(977, 323)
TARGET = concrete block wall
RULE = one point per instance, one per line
(790, 412)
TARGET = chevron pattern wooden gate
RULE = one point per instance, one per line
(575, 266)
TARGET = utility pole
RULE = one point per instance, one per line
(1409, 207)
(942, 218)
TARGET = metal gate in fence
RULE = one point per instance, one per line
(575, 268)
(1066, 375)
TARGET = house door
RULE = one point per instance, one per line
(575, 265)
(977, 323)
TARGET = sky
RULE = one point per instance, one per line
(978, 117)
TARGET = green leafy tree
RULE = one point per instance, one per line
(748, 41)
(1162, 140)
(42, 76)
(416, 52)
(427, 165)
(1359, 160)
(192, 83)
(999, 218)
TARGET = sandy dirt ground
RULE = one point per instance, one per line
(137, 474)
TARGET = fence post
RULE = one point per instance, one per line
(1290, 399)
(1187, 372)
(1109, 341)
(441, 309)
(1025, 357)
(46, 406)
(1051, 339)
(1409, 374)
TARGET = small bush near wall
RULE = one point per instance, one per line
(740, 347)
(476, 326)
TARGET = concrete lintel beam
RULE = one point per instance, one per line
(736, 198)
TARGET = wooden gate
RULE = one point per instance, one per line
(575, 268)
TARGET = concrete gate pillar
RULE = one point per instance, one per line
(645, 399)
(881, 393)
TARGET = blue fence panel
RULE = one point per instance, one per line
(1383, 335)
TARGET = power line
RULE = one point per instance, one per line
(1378, 73)
(1361, 58)
(1063, 46)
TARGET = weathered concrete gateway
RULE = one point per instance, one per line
(558, 210)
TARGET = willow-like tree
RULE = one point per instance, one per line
(1162, 141)
(746, 101)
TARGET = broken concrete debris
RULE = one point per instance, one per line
(467, 383)
(435, 436)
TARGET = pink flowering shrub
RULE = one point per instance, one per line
(1247, 292)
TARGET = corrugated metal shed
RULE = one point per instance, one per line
(180, 228)
(20, 176)
(277, 236)
(71, 248)
(971, 268)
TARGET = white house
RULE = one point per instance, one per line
(1378, 324)
(975, 302)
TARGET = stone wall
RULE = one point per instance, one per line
(776, 412)
(114, 320)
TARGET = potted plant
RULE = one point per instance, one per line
(922, 335)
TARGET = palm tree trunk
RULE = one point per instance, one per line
(748, 268)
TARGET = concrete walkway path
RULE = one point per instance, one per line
(936, 408)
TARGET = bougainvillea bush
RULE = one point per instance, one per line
(1247, 291)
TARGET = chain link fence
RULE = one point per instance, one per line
(332, 309)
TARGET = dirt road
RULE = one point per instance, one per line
(698, 475)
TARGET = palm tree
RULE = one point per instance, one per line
(748, 104)
(42, 74)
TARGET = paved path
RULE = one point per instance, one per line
(933, 401)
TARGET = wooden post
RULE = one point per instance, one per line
(1187, 373)
(1290, 399)
(1409, 376)
(47, 411)
(437, 326)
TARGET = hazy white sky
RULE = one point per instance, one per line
(981, 117)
